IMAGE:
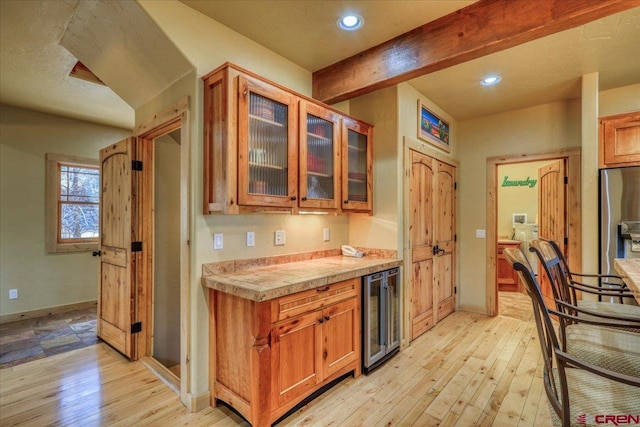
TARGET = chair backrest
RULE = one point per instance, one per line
(557, 272)
(555, 387)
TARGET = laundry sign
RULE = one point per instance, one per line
(519, 182)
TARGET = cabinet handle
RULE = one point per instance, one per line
(325, 289)
(96, 253)
(304, 199)
(294, 198)
(346, 201)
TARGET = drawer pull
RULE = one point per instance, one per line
(323, 289)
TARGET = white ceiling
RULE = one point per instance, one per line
(34, 65)
(306, 32)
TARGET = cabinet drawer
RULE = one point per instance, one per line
(301, 302)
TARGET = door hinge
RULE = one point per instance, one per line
(455, 185)
(566, 240)
(455, 289)
(136, 327)
(566, 179)
(455, 237)
(136, 246)
(136, 165)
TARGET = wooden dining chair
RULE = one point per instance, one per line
(566, 290)
(577, 389)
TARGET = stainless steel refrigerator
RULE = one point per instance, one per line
(381, 317)
(619, 216)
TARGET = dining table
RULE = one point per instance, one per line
(629, 270)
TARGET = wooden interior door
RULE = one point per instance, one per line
(552, 224)
(421, 242)
(445, 237)
(116, 296)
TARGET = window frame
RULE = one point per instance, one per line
(52, 198)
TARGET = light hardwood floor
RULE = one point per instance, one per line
(470, 370)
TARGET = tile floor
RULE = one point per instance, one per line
(33, 339)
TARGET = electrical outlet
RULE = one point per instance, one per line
(251, 238)
(280, 237)
(13, 294)
(326, 235)
(217, 241)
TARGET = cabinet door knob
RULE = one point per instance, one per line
(346, 201)
(96, 253)
(294, 198)
(327, 318)
(321, 320)
(304, 199)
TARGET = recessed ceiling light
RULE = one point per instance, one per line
(491, 80)
(350, 22)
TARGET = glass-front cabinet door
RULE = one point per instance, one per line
(319, 157)
(267, 146)
(356, 166)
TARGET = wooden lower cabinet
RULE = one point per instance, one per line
(266, 357)
(507, 276)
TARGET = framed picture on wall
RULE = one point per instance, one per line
(433, 128)
(519, 218)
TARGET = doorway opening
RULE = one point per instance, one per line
(165, 343)
(572, 213)
(517, 226)
(166, 224)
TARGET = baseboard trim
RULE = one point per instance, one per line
(199, 402)
(7, 318)
(162, 372)
(472, 309)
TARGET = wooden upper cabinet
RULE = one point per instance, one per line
(620, 140)
(267, 145)
(357, 166)
(319, 156)
(267, 148)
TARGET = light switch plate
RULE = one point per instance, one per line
(326, 235)
(13, 294)
(251, 238)
(481, 234)
(280, 237)
(217, 241)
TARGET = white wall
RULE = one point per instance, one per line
(166, 253)
(43, 280)
(517, 199)
(619, 100)
(382, 229)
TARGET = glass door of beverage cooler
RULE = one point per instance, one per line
(319, 157)
(374, 319)
(393, 309)
(267, 150)
(357, 166)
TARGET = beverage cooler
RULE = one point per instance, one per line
(381, 317)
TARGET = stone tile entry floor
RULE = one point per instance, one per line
(33, 339)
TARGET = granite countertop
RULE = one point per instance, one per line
(273, 281)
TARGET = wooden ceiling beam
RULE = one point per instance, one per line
(477, 30)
